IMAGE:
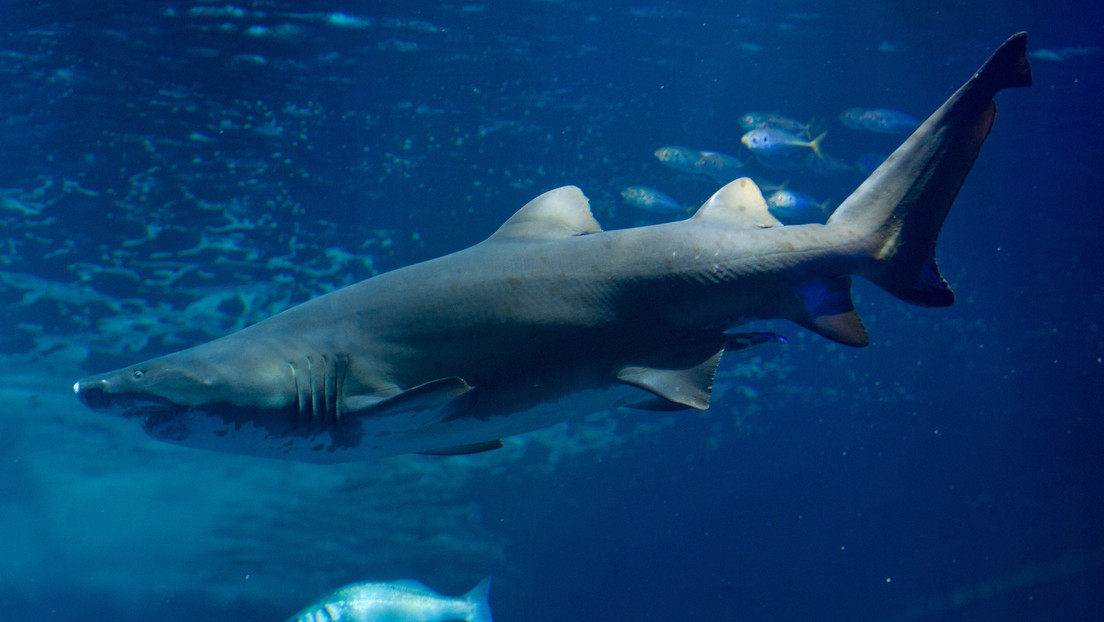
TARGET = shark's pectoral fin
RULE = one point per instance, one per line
(426, 404)
(463, 450)
(824, 306)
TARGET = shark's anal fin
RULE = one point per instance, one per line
(432, 402)
(824, 306)
(463, 450)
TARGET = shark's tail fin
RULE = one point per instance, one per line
(898, 211)
(479, 597)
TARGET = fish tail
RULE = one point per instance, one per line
(897, 213)
(814, 144)
(809, 127)
(479, 596)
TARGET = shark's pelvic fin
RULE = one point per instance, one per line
(678, 388)
(559, 213)
(899, 210)
(463, 450)
(684, 379)
(739, 203)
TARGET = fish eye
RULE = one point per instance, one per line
(137, 374)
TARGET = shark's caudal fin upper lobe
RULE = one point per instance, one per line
(899, 210)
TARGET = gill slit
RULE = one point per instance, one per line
(300, 413)
(318, 391)
(315, 419)
(341, 367)
(328, 399)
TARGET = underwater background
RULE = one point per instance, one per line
(173, 171)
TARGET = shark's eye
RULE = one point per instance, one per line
(137, 374)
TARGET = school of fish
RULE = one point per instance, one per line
(777, 144)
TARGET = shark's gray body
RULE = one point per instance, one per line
(551, 317)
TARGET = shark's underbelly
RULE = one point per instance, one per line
(372, 439)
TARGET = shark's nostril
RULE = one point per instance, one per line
(92, 394)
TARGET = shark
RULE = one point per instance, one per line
(551, 317)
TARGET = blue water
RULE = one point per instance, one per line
(172, 171)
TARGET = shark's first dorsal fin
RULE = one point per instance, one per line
(559, 213)
(738, 203)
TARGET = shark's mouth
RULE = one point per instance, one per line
(147, 409)
(153, 415)
(130, 405)
(162, 421)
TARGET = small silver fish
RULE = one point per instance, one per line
(763, 120)
(795, 208)
(401, 601)
(678, 158)
(1065, 53)
(721, 167)
(768, 141)
(651, 200)
(881, 120)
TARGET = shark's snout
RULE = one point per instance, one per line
(91, 393)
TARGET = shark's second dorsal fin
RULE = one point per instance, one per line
(739, 203)
(559, 213)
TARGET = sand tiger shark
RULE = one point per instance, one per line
(551, 317)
